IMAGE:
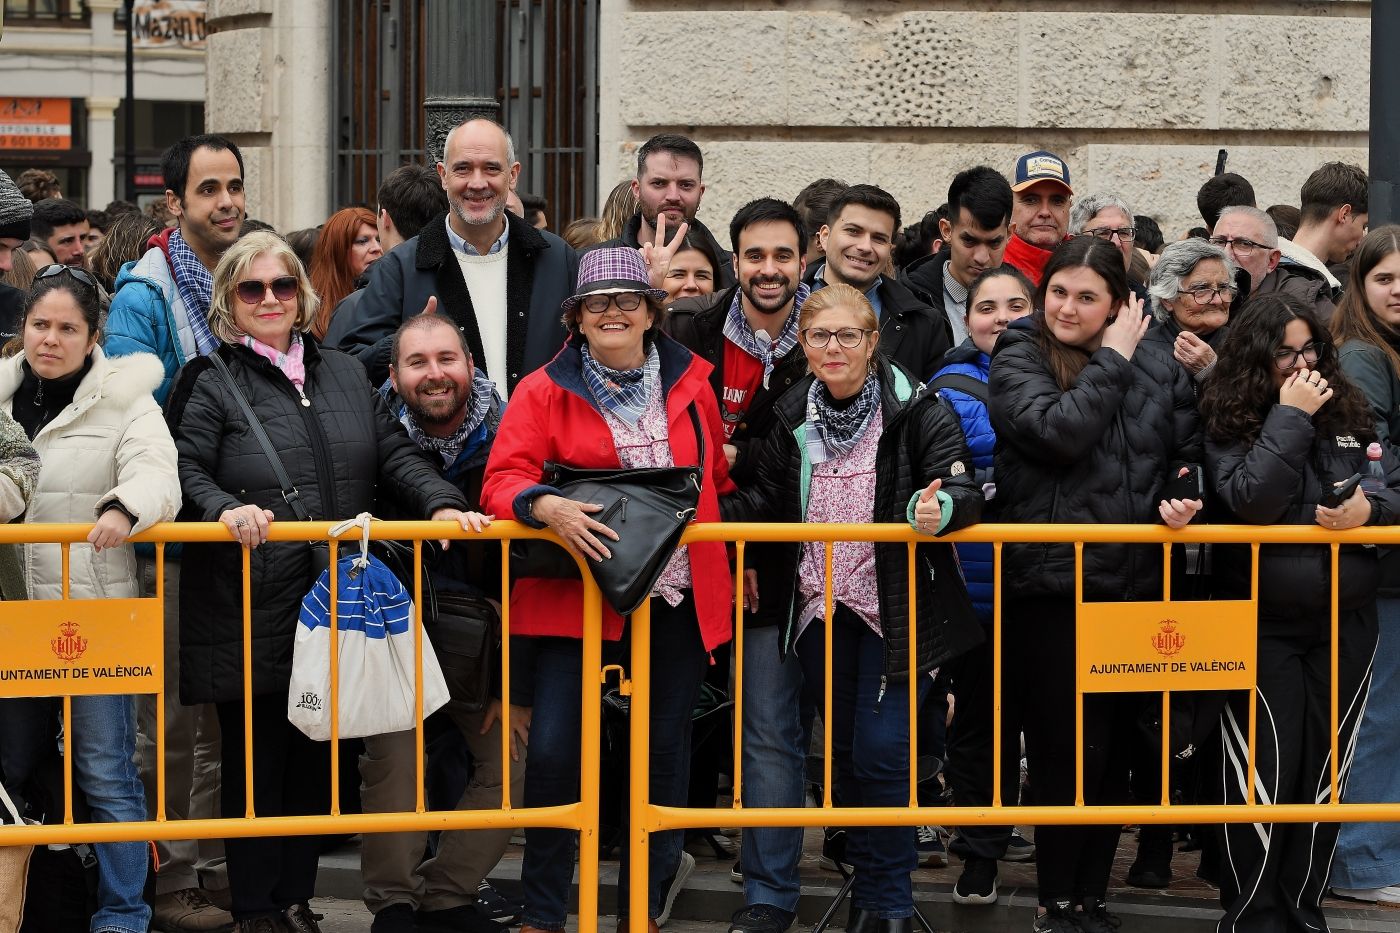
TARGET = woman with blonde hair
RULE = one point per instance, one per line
(859, 441)
(340, 446)
(621, 206)
(348, 243)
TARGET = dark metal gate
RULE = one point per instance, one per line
(547, 62)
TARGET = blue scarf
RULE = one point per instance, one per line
(625, 393)
(196, 287)
(450, 448)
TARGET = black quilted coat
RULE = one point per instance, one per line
(1098, 453)
(1278, 480)
(336, 450)
(921, 441)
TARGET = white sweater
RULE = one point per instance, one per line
(486, 283)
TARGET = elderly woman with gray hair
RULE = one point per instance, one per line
(1192, 286)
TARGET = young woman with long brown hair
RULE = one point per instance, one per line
(1366, 328)
(1091, 424)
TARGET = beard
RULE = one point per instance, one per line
(439, 409)
(749, 289)
(497, 209)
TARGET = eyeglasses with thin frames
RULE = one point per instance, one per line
(849, 337)
(1205, 294)
(1241, 246)
(1124, 234)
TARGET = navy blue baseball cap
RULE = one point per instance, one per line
(1041, 166)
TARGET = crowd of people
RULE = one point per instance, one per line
(1021, 354)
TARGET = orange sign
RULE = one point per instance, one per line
(36, 123)
(81, 647)
(1127, 647)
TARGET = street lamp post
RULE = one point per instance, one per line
(129, 126)
(461, 67)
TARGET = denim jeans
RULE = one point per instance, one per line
(102, 735)
(678, 663)
(870, 747)
(773, 757)
(1368, 854)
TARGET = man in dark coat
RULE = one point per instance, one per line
(857, 240)
(499, 279)
(669, 172)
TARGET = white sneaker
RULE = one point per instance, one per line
(683, 871)
(1389, 894)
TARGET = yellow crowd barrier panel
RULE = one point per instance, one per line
(71, 647)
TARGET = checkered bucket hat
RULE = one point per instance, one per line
(610, 271)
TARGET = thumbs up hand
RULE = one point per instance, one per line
(928, 511)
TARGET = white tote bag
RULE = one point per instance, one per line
(376, 632)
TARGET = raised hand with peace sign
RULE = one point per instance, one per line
(658, 255)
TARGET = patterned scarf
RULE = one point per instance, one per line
(196, 287)
(625, 393)
(738, 332)
(292, 363)
(483, 393)
(833, 432)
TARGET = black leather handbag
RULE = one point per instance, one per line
(648, 507)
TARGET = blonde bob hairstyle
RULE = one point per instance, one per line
(233, 268)
(838, 295)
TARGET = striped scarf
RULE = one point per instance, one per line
(196, 287)
(625, 393)
(764, 349)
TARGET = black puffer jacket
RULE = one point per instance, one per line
(1163, 334)
(1098, 453)
(336, 450)
(1277, 480)
(921, 441)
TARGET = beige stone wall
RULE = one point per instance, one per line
(1136, 95)
(269, 91)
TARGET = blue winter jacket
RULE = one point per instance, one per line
(976, 559)
(148, 315)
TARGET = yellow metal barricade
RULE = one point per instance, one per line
(1231, 627)
(75, 647)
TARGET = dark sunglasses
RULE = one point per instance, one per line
(251, 292)
(56, 268)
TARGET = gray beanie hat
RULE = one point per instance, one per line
(15, 210)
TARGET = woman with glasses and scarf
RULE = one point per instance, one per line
(340, 447)
(107, 459)
(860, 441)
(1192, 287)
(1283, 426)
(617, 394)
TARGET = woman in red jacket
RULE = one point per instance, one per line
(616, 395)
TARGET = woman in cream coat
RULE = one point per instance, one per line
(105, 457)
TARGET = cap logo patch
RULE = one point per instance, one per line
(1045, 165)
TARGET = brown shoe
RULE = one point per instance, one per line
(188, 911)
(622, 926)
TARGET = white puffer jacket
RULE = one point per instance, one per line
(110, 444)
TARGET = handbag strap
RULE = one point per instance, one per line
(289, 492)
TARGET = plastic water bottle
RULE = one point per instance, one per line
(1373, 480)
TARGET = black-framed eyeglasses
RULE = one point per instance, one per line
(1287, 358)
(1124, 234)
(1205, 294)
(58, 268)
(849, 337)
(1241, 246)
(624, 301)
(252, 291)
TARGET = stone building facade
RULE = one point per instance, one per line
(1137, 95)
